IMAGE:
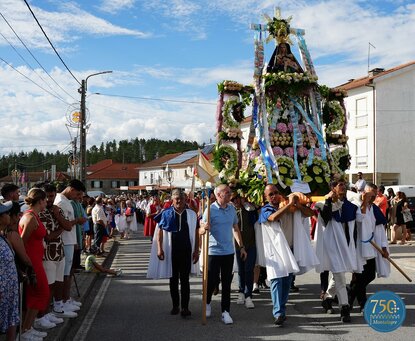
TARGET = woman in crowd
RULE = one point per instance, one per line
(33, 231)
(152, 210)
(399, 201)
(120, 219)
(9, 285)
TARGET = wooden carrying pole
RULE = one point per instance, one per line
(205, 261)
(390, 260)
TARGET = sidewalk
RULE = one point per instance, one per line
(85, 282)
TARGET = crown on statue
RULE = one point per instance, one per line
(278, 28)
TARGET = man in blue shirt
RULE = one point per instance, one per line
(223, 228)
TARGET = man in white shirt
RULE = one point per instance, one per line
(100, 222)
(73, 191)
(360, 183)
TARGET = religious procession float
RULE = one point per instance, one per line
(297, 128)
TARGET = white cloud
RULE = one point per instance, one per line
(62, 26)
(114, 6)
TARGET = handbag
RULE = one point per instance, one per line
(407, 215)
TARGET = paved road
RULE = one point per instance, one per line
(132, 307)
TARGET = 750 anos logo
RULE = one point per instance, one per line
(384, 311)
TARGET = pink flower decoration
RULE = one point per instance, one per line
(302, 152)
(289, 151)
(281, 127)
(278, 151)
(317, 152)
(290, 127)
(301, 127)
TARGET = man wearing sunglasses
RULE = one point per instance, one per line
(279, 237)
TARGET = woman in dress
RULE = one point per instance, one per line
(120, 219)
(152, 210)
(399, 201)
(9, 285)
(32, 232)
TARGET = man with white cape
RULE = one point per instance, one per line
(283, 230)
(335, 245)
(371, 227)
(175, 251)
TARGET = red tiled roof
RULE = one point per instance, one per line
(357, 83)
(160, 161)
(118, 171)
(99, 165)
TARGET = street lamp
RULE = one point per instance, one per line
(168, 173)
(82, 126)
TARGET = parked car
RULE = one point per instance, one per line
(95, 194)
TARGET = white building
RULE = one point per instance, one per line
(380, 111)
(170, 171)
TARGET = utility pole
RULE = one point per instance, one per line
(82, 126)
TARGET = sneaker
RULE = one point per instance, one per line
(241, 298)
(73, 302)
(67, 306)
(345, 314)
(208, 310)
(174, 311)
(279, 321)
(294, 288)
(52, 318)
(118, 273)
(248, 303)
(38, 333)
(327, 305)
(43, 323)
(64, 313)
(185, 312)
(255, 289)
(28, 336)
(226, 318)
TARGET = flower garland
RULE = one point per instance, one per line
(333, 116)
(286, 169)
(225, 161)
(337, 139)
(341, 159)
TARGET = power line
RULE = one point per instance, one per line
(53, 47)
(156, 99)
(62, 100)
(28, 50)
(31, 67)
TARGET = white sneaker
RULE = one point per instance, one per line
(37, 333)
(208, 310)
(52, 318)
(28, 336)
(248, 303)
(43, 323)
(226, 318)
(67, 306)
(241, 298)
(59, 312)
(118, 273)
(73, 302)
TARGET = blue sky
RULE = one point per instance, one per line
(171, 49)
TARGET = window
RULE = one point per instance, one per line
(131, 183)
(151, 178)
(115, 184)
(361, 153)
(96, 184)
(361, 113)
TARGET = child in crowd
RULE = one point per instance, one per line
(91, 265)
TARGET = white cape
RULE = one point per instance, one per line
(157, 268)
(279, 259)
(383, 267)
(120, 222)
(332, 250)
(303, 250)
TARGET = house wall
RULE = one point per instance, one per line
(395, 124)
(182, 177)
